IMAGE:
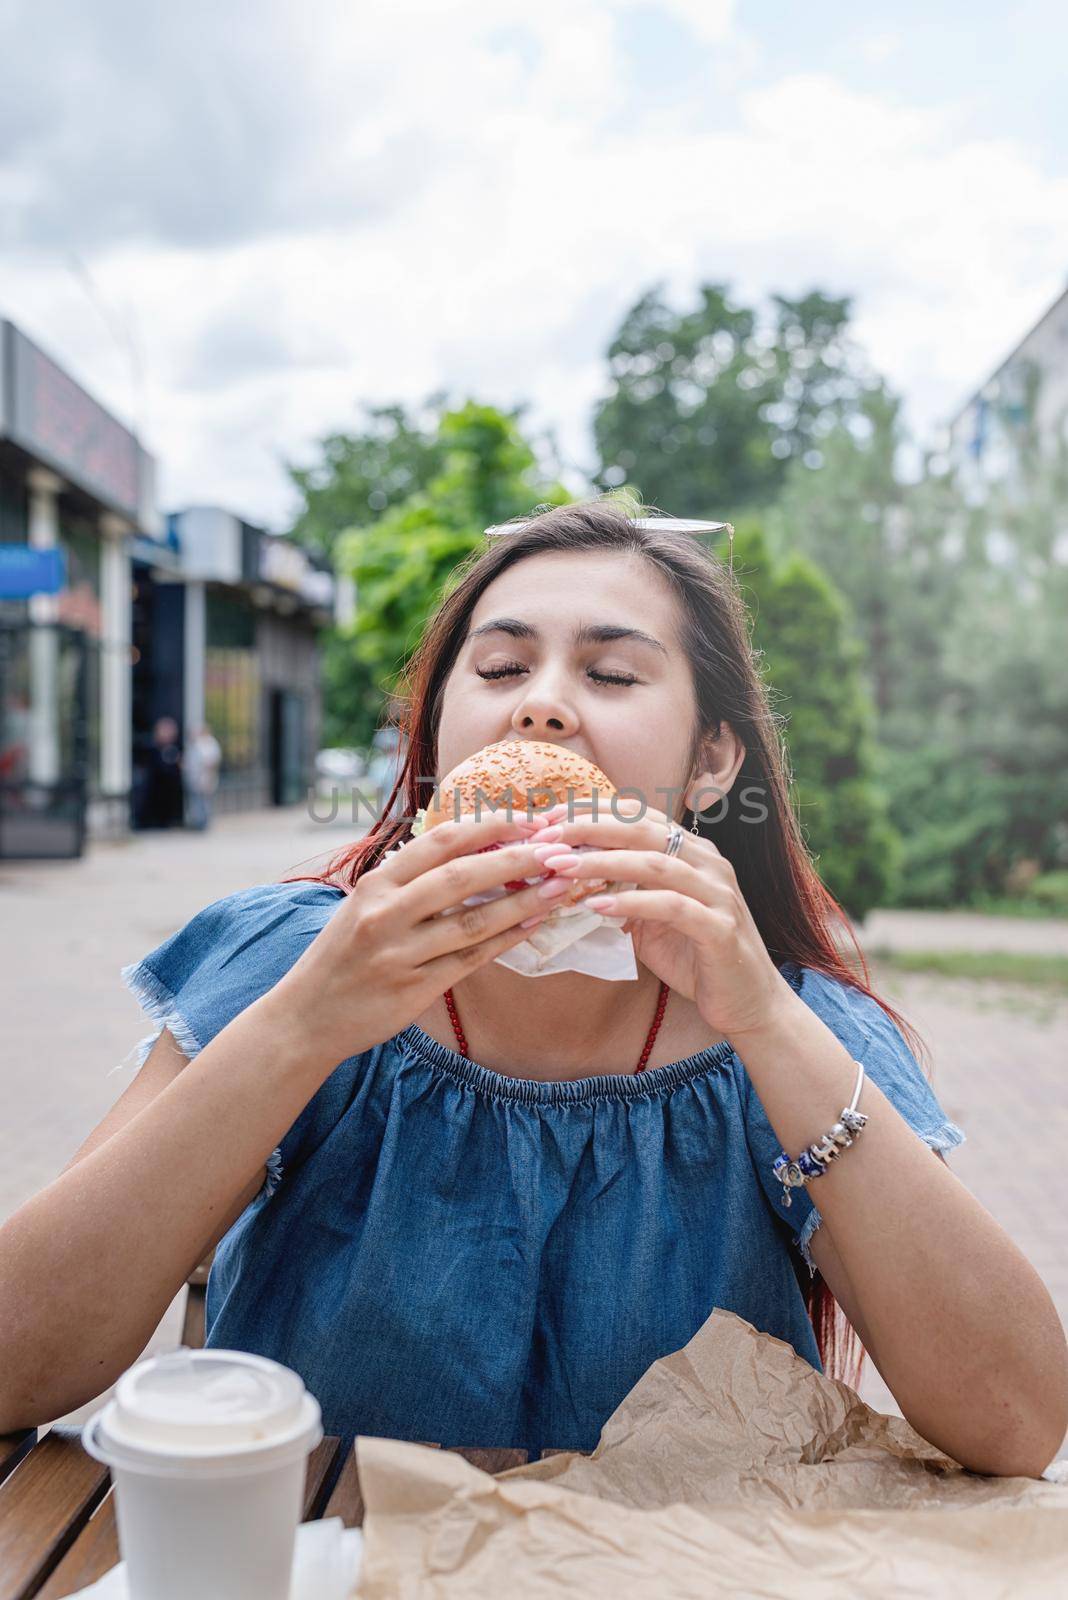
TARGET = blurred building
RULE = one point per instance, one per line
(75, 488)
(113, 616)
(989, 433)
(225, 631)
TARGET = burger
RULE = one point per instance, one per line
(530, 775)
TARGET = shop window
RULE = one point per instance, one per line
(232, 684)
(231, 705)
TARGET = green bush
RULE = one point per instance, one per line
(1050, 889)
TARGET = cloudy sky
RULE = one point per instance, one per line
(234, 223)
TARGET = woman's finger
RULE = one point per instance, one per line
(458, 963)
(647, 868)
(467, 925)
(452, 880)
(704, 925)
(638, 832)
(448, 839)
(625, 809)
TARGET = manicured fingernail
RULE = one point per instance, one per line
(532, 922)
(541, 851)
(601, 902)
(545, 834)
(549, 891)
(558, 863)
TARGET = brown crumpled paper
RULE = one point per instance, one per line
(732, 1468)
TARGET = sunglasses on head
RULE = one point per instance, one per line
(674, 524)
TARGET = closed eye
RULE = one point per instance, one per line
(619, 679)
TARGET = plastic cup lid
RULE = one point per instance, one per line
(192, 1401)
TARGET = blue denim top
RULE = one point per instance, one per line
(447, 1253)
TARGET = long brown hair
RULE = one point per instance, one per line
(796, 915)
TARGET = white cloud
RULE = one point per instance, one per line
(462, 195)
(710, 20)
(881, 46)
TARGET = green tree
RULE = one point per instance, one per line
(707, 407)
(813, 663)
(959, 601)
(401, 561)
(888, 546)
(1002, 750)
(360, 475)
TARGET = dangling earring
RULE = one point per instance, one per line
(693, 824)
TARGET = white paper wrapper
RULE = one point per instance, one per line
(575, 939)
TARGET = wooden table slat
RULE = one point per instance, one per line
(193, 1318)
(44, 1505)
(321, 1463)
(346, 1500)
(492, 1460)
(94, 1552)
(14, 1447)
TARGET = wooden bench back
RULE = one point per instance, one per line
(193, 1319)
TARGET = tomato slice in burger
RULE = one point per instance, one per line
(513, 883)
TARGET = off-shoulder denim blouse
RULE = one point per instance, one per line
(447, 1253)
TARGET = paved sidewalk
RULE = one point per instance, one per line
(67, 927)
(998, 1055)
(963, 930)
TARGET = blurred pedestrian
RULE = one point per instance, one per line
(203, 757)
(162, 804)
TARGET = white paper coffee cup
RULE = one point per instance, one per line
(208, 1453)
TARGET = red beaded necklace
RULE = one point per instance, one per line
(646, 1048)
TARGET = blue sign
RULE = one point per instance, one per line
(24, 571)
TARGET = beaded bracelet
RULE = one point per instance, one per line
(813, 1162)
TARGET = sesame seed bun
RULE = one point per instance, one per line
(534, 775)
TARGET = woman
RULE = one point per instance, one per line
(483, 1225)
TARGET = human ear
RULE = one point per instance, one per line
(722, 755)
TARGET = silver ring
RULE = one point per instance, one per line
(674, 839)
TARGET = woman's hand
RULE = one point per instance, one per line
(688, 919)
(385, 955)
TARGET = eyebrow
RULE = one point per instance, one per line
(585, 633)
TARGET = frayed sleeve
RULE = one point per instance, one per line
(874, 1040)
(222, 960)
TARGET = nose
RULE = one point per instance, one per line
(543, 713)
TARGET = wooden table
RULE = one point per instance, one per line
(57, 1515)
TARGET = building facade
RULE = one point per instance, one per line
(113, 616)
(1028, 391)
(77, 485)
(227, 618)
